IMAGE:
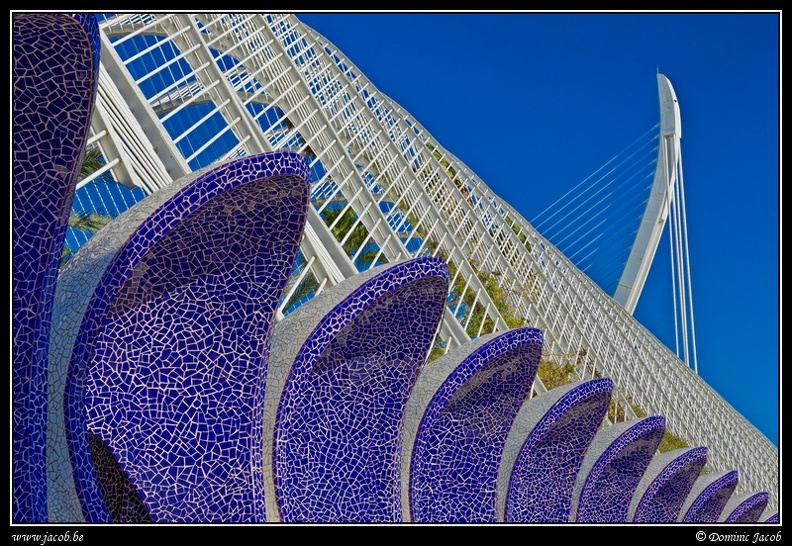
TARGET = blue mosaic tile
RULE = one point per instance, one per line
(122, 500)
(771, 519)
(164, 321)
(547, 445)
(91, 28)
(745, 509)
(708, 497)
(666, 484)
(353, 355)
(613, 467)
(470, 398)
(53, 99)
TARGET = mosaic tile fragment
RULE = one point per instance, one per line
(346, 363)
(773, 518)
(164, 323)
(121, 498)
(666, 484)
(745, 508)
(708, 497)
(55, 58)
(545, 450)
(461, 411)
(613, 467)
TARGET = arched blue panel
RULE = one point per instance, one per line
(91, 28)
(708, 497)
(666, 484)
(165, 318)
(745, 509)
(557, 429)
(613, 467)
(772, 519)
(459, 442)
(357, 353)
(55, 58)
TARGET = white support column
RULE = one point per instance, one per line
(142, 113)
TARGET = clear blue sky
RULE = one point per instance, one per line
(535, 103)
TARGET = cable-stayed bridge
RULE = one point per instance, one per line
(178, 92)
(611, 223)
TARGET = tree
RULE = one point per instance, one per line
(90, 222)
(308, 285)
(355, 239)
(92, 162)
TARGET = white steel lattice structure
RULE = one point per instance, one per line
(180, 91)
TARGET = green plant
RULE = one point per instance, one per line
(615, 412)
(66, 255)
(554, 375)
(89, 221)
(353, 240)
(437, 351)
(92, 161)
(520, 235)
(308, 285)
(670, 442)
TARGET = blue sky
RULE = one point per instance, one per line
(534, 103)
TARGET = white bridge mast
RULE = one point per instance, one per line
(666, 197)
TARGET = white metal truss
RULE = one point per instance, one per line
(276, 84)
